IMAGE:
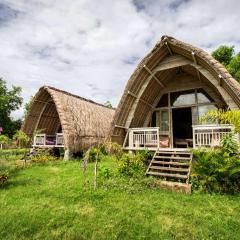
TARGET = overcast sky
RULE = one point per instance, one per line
(91, 47)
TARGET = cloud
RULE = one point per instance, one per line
(91, 47)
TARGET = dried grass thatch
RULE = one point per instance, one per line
(84, 123)
(144, 88)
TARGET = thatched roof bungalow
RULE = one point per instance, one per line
(80, 123)
(171, 88)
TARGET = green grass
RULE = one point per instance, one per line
(54, 201)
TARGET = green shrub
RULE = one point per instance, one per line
(114, 149)
(105, 172)
(131, 165)
(217, 170)
(21, 138)
(223, 117)
(230, 145)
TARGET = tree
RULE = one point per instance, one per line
(21, 138)
(10, 100)
(225, 55)
(27, 106)
(234, 67)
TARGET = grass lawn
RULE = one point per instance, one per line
(52, 202)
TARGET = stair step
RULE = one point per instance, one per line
(180, 153)
(170, 163)
(170, 157)
(168, 175)
(170, 169)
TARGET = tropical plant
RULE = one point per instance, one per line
(217, 170)
(230, 145)
(21, 138)
(222, 116)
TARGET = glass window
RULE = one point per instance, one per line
(183, 98)
(162, 120)
(163, 101)
(203, 97)
(203, 109)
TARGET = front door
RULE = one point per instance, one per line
(182, 126)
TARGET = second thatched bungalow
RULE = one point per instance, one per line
(60, 119)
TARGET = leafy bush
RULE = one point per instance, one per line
(21, 138)
(131, 165)
(230, 145)
(105, 172)
(217, 170)
(4, 139)
(223, 117)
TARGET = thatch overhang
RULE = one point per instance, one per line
(84, 123)
(160, 69)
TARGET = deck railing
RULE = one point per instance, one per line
(140, 138)
(211, 135)
(44, 140)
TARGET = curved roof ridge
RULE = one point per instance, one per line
(76, 96)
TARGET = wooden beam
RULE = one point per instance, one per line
(49, 102)
(194, 58)
(40, 116)
(195, 61)
(144, 101)
(132, 94)
(228, 98)
(168, 47)
(153, 76)
(118, 126)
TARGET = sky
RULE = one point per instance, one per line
(91, 47)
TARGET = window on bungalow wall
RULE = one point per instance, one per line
(162, 120)
(183, 98)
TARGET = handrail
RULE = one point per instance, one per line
(142, 138)
(211, 135)
(44, 140)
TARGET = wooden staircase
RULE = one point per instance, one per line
(171, 165)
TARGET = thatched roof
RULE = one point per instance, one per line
(154, 73)
(83, 122)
